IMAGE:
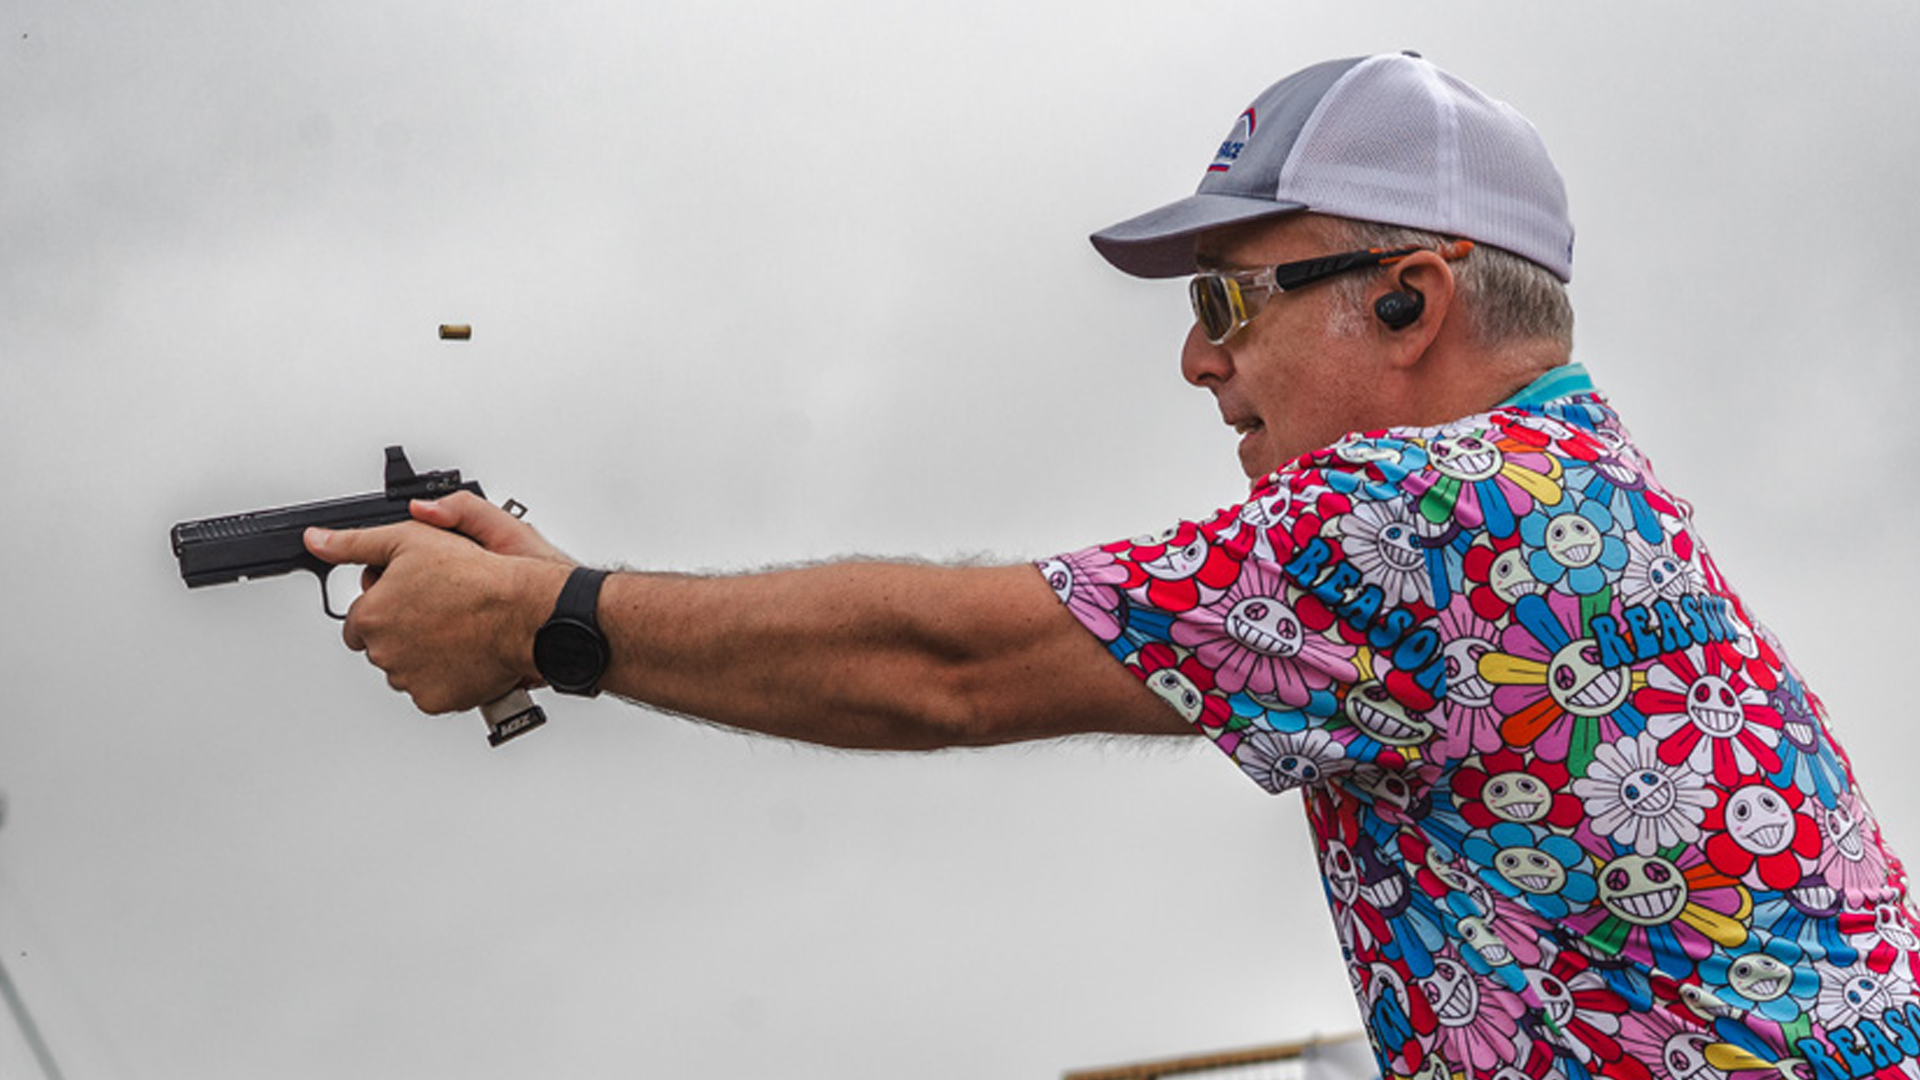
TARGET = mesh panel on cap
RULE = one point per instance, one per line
(1374, 151)
(1509, 183)
(1398, 141)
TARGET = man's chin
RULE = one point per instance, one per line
(1255, 461)
(1261, 453)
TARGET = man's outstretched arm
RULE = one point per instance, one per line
(857, 654)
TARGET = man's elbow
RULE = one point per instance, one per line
(955, 707)
(987, 705)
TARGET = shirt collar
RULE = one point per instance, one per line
(1566, 380)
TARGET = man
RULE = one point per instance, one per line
(1577, 814)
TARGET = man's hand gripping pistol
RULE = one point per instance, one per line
(266, 543)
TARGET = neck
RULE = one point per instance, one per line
(1452, 383)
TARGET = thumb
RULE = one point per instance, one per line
(488, 525)
(361, 547)
(470, 515)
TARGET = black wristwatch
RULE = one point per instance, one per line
(569, 648)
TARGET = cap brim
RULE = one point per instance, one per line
(1159, 243)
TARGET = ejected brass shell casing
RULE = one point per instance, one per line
(455, 332)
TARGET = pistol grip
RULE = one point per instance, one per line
(508, 717)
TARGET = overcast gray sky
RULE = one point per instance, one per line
(756, 282)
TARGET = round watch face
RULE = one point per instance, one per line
(570, 654)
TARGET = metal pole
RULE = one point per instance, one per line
(27, 1027)
(18, 1005)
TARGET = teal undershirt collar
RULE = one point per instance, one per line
(1564, 381)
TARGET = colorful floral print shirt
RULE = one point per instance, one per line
(1576, 813)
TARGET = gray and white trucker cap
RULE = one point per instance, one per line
(1389, 139)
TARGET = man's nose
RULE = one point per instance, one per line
(1203, 363)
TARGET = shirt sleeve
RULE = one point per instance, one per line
(1296, 630)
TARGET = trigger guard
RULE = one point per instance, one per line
(326, 598)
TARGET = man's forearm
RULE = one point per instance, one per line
(873, 655)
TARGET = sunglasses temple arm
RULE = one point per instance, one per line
(1312, 270)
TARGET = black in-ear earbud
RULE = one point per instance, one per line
(1399, 310)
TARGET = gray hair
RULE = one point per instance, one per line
(1507, 298)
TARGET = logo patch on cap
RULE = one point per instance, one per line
(1237, 140)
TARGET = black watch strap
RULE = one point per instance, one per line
(580, 596)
